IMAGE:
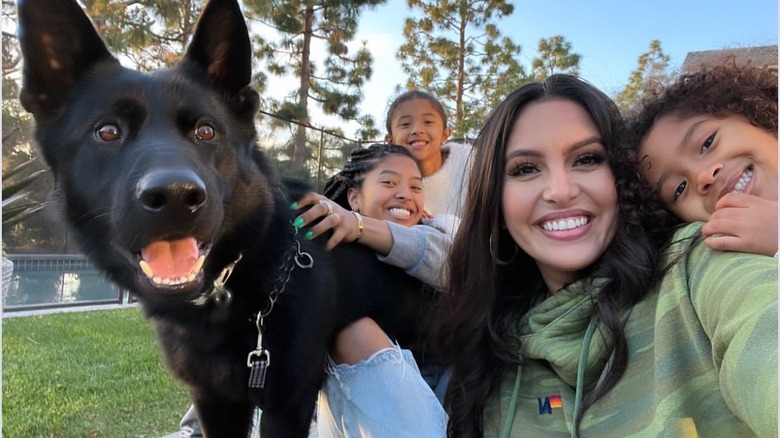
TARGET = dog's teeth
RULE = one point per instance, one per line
(146, 268)
(198, 265)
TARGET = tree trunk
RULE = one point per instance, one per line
(301, 152)
(459, 105)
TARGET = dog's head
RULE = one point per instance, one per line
(152, 170)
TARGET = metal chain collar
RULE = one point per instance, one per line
(293, 256)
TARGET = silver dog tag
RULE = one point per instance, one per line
(258, 361)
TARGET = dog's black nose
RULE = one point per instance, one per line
(171, 190)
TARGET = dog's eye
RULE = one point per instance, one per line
(108, 132)
(204, 132)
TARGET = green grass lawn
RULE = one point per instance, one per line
(86, 374)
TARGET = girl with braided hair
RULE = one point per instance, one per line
(708, 144)
(377, 201)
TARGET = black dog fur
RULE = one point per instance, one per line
(146, 157)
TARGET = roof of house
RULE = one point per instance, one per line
(761, 55)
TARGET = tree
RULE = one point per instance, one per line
(149, 33)
(555, 57)
(652, 71)
(333, 83)
(456, 52)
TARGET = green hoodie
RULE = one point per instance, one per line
(702, 356)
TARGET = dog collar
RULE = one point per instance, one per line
(218, 292)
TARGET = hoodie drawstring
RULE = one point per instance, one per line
(581, 371)
(510, 417)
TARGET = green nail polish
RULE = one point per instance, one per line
(294, 206)
(308, 235)
(298, 223)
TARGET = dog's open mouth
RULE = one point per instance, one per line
(173, 263)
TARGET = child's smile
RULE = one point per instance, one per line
(694, 161)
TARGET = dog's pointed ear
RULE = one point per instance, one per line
(59, 44)
(221, 46)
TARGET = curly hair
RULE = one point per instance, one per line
(361, 161)
(720, 90)
(475, 321)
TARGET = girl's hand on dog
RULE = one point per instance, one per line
(323, 215)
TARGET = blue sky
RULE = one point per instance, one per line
(609, 35)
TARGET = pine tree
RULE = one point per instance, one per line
(455, 51)
(555, 57)
(334, 84)
(151, 34)
(652, 71)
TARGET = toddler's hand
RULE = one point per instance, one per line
(743, 222)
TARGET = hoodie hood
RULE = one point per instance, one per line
(553, 331)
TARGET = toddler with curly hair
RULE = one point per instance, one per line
(707, 144)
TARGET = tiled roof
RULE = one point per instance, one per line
(762, 55)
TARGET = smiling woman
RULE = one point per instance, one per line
(547, 168)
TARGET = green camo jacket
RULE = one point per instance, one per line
(702, 357)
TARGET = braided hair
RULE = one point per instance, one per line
(361, 161)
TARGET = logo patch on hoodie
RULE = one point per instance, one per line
(547, 404)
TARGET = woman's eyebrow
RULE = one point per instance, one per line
(538, 153)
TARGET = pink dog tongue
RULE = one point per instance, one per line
(171, 258)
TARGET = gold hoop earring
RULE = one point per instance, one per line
(498, 261)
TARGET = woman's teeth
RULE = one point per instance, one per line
(565, 224)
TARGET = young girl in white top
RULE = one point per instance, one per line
(418, 121)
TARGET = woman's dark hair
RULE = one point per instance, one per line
(476, 320)
(721, 90)
(361, 161)
(411, 95)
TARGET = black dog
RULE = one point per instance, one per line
(159, 177)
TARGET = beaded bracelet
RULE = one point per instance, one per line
(360, 223)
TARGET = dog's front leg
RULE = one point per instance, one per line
(222, 418)
(293, 422)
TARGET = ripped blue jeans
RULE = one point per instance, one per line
(382, 396)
